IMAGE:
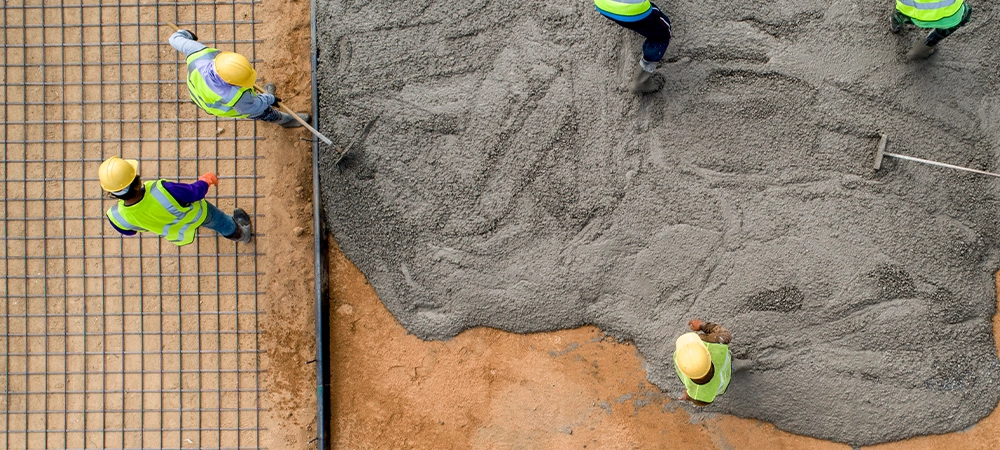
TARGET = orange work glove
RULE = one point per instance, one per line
(694, 325)
(209, 178)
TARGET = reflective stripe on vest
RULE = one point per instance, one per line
(116, 216)
(928, 10)
(715, 387)
(158, 212)
(209, 99)
(625, 10)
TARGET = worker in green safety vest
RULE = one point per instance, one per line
(943, 17)
(222, 83)
(172, 210)
(703, 361)
(645, 18)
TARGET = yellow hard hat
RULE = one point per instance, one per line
(117, 174)
(235, 69)
(692, 356)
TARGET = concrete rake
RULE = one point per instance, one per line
(882, 153)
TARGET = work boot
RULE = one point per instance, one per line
(244, 229)
(287, 121)
(894, 26)
(920, 51)
(643, 82)
(269, 88)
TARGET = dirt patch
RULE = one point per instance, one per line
(289, 337)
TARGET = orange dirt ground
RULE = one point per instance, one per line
(289, 329)
(485, 388)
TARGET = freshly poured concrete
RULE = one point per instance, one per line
(511, 181)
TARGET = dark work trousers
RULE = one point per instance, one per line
(937, 34)
(270, 115)
(656, 29)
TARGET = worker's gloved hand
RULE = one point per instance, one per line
(209, 178)
(192, 36)
(694, 325)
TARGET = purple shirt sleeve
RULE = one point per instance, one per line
(186, 194)
(125, 232)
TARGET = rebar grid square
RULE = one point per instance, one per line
(109, 341)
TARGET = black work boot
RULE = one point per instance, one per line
(287, 121)
(244, 229)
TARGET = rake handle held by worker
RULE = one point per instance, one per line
(280, 105)
(297, 118)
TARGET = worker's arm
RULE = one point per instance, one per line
(183, 41)
(253, 103)
(715, 333)
(185, 193)
(125, 232)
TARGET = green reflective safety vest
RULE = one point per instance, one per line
(723, 363)
(928, 10)
(623, 7)
(216, 103)
(158, 212)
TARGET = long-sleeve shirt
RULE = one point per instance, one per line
(251, 103)
(715, 333)
(184, 193)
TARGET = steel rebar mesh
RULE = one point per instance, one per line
(109, 341)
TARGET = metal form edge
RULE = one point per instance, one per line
(319, 258)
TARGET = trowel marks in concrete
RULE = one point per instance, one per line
(513, 182)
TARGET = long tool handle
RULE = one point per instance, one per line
(299, 119)
(281, 105)
(940, 164)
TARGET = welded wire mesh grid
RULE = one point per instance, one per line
(112, 342)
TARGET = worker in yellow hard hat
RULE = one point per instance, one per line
(703, 361)
(172, 210)
(942, 17)
(222, 83)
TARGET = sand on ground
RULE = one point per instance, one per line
(289, 328)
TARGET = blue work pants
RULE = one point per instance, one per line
(219, 221)
(656, 29)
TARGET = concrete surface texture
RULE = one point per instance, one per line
(511, 181)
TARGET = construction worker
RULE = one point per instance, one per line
(222, 83)
(943, 17)
(703, 361)
(645, 18)
(172, 210)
